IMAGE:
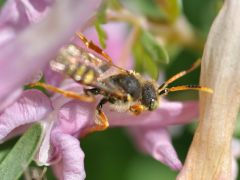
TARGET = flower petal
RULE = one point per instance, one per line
(71, 165)
(32, 106)
(35, 46)
(75, 116)
(52, 77)
(157, 142)
(12, 97)
(16, 15)
(169, 113)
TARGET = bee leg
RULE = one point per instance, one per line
(101, 122)
(136, 109)
(92, 46)
(69, 94)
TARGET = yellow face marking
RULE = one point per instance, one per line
(79, 73)
(89, 77)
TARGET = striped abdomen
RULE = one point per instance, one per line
(79, 64)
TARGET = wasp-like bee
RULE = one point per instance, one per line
(124, 90)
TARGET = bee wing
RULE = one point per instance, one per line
(86, 68)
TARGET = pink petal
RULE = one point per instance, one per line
(12, 97)
(16, 15)
(71, 165)
(32, 106)
(157, 142)
(169, 113)
(52, 77)
(75, 116)
(32, 48)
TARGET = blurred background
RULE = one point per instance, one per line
(112, 154)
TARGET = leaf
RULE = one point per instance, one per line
(101, 19)
(170, 8)
(149, 55)
(6, 148)
(114, 4)
(153, 48)
(102, 35)
(21, 154)
(2, 2)
(3, 153)
(143, 62)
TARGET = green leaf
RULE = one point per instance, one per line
(143, 63)
(3, 153)
(101, 19)
(2, 2)
(170, 8)
(114, 4)
(21, 154)
(149, 55)
(102, 35)
(154, 48)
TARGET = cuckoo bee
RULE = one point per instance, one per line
(124, 90)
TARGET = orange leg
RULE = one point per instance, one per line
(137, 109)
(97, 49)
(101, 122)
(69, 94)
(180, 74)
(94, 47)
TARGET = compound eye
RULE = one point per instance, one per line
(153, 105)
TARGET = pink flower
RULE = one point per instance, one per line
(65, 120)
(31, 33)
(70, 119)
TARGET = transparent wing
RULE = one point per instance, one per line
(86, 68)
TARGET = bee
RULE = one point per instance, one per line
(124, 90)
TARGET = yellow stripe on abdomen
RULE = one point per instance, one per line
(89, 76)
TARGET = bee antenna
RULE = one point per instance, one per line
(179, 75)
(165, 91)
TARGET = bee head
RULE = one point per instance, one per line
(149, 96)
